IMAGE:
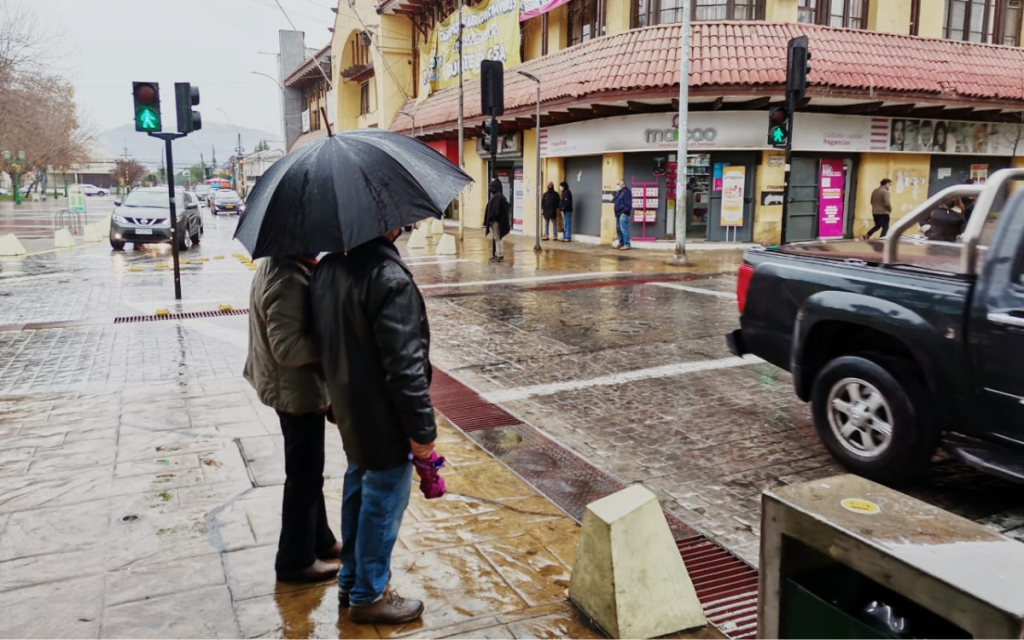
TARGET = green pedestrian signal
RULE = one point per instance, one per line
(147, 106)
(148, 120)
(778, 135)
(778, 127)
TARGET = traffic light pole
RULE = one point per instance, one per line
(791, 105)
(168, 138)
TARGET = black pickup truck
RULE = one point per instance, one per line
(902, 345)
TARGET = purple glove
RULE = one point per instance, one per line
(429, 471)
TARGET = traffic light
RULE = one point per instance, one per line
(147, 106)
(186, 96)
(489, 139)
(492, 88)
(797, 69)
(778, 127)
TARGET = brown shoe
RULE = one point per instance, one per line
(334, 553)
(390, 608)
(319, 571)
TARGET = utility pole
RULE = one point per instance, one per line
(462, 133)
(682, 135)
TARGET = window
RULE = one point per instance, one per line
(586, 20)
(360, 52)
(651, 12)
(988, 21)
(847, 14)
(364, 98)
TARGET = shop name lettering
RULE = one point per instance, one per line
(655, 136)
(840, 139)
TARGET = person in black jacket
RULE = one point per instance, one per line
(549, 206)
(370, 323)
(566, 206)
(623, 214)
(497, 220)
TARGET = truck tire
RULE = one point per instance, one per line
(117, 245)
(873, 418)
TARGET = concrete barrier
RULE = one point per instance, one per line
(426, 227)
(445, 246)
(92, 234)
(416, 240)
(103, 225)
(629, 576)
(62, 239)
(11, 246)
(437, 226)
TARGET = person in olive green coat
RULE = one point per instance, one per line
(284, 368)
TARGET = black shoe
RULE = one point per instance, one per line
(319, 571)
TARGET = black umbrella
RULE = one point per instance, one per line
(341, 191)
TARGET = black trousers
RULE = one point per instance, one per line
(305, 533)
(881, 222)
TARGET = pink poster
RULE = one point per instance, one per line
(830, 201)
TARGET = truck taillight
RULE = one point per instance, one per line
(742, 284)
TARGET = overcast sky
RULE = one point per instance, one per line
(214, 44)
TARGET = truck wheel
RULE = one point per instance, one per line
(117, 245)
(873, 419)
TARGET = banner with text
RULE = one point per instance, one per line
(535, 8)
(490, 31)
(831, 198)
(734, 180)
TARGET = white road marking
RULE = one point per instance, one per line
(484, 283)
(41, 276)
(419, 263)
(707, 292)
(666, 371)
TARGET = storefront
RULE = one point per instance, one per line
(583, 175)
(509, 170)
(722, 167)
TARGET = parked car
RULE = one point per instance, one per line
(225, 201)
(91, 190)
(4, 192)
(145, 218)
(904, 345)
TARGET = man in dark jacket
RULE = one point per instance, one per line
(549, 207)
(623, 214)
(497, 220)
(881, 209)
(371, 324)
(566, 206)
(284, 368)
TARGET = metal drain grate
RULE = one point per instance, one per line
(726, 586)
(189, 315)
(464, 407)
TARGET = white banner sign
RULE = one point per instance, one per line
(749, 130)
(305, 121)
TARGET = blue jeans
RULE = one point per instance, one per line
(566, 225)
(553, 224)
(372, 506)
(622, 226)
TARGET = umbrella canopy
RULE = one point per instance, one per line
(341, 191)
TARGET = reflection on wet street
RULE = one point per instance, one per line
(140, 477)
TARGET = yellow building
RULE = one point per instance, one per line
(924, 92)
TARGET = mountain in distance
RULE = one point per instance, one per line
(213, 136)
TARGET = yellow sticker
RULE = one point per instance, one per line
(863, 507)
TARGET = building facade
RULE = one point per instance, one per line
(925, 92)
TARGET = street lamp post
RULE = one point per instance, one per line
(527, 74)
(682, 135)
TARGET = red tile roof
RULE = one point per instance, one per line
(849, 63)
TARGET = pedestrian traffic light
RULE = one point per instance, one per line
(185, 97)
(797, 69)
(492, 88)
(489, 138)
(778, 127)
(147, 106)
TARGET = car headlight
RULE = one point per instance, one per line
(120, 220)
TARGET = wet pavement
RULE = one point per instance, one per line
(140, 478)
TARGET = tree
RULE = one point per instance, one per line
(196, 173)
(128, 172)
(262, 146)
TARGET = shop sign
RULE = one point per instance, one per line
(305, 121)
(490, 31)
(746, 130)
(733, 184)
(773, 198)
(830, 207)
(534, 8)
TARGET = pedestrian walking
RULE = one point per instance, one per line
(284, 367)
(566, 206)
(549, 206)
(881, 209)
(371, 324)
(945, 222)
(623, 214)
(497, 220)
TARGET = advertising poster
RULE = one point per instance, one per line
(517, 202)
(717, 175)
(734, 181)
(536, 8)
(830, 207)
(490, 32)
(979, 173)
